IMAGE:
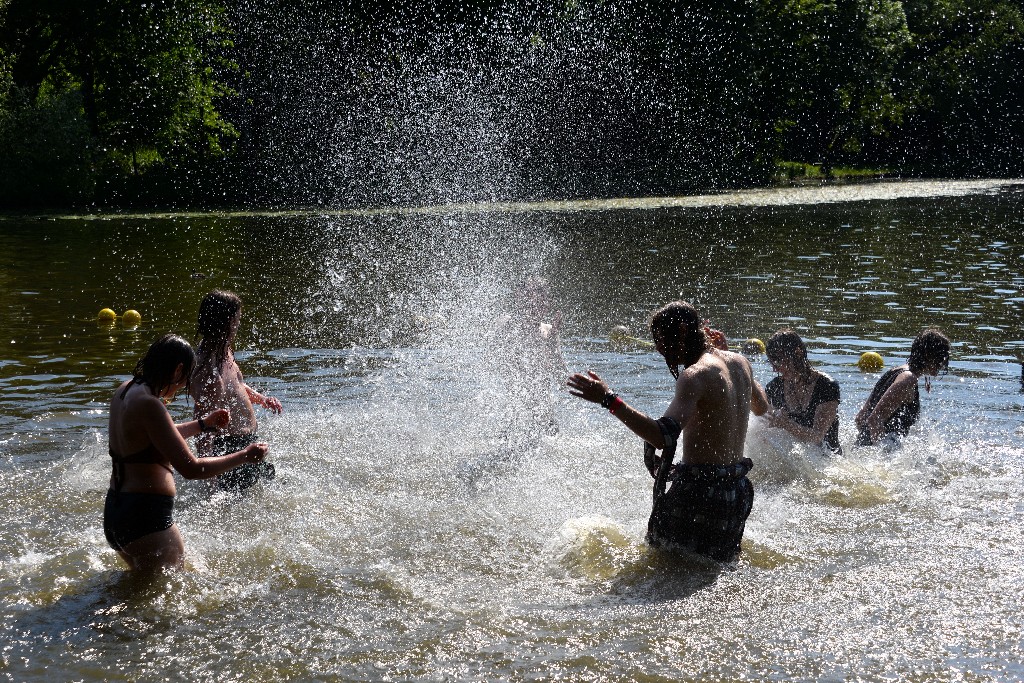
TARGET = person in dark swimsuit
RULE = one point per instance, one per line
(805, 401)
(217, 382)
(146, 447)
(895, 402)
(710, 498)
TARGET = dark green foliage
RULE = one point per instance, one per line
(141, 73)
(963, 82)
(45, 150)
(847, 51)
(364, 103)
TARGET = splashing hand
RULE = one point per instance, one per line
(717, 338)
(589, 387)
(273, 405)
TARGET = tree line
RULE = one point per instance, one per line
(215, 103)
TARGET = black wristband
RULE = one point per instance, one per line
(606, 402)
(203, 427)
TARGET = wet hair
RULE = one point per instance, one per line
(929, 347)
(156, 368)
(217, 311)
(682, 350)
(784, 344)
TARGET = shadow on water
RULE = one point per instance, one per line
(114, 609)
(601, 552)
(666, 576)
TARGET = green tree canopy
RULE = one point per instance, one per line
(144, 74)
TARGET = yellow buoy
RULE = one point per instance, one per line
(620, 338)
(753, 346)
(619, 334)
(131, 318)
(107, 315)
(870, 362)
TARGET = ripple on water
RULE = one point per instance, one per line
(420, 527)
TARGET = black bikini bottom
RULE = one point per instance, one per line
(128, 517)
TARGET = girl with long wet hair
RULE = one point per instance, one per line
(146, 446)
(805, 401)
(217, 382)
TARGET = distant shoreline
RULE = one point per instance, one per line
(809, 191)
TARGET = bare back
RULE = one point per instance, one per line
(712, 403)
(222, 386)
(134, 419)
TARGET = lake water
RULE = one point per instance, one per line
(423, 527)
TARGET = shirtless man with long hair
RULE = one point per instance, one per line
(706, 508)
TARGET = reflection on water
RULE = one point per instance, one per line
(422, 528)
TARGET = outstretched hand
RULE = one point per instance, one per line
(219, 418)
(589, 387)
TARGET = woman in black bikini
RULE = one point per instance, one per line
(895, 402)
(137, 516)
(805, 401)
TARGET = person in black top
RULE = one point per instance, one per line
(805, 401)
(895, 402)
(146, 447)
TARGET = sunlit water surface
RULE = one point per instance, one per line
(423, 527)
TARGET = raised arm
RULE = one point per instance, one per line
(592, 388)
(167, 439)
(268, 402)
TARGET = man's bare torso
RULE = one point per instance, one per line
(716, 433)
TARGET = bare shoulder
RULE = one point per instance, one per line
(731, 361)
(905, 378)
(904, 381)
(734, 359)
(205, 365)
(146, 406)
(119, 391)
(737, 367)
(204, 375)
(712, 369)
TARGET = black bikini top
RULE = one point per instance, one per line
(147, 456)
